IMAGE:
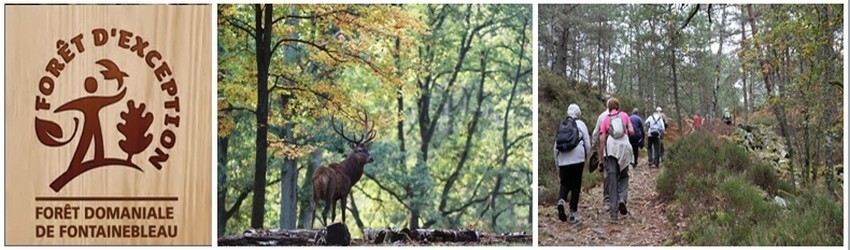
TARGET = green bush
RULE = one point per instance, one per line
(728, 198)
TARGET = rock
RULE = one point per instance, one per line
(779, 201)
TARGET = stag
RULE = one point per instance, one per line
(333, 182)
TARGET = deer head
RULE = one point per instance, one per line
(359, 145)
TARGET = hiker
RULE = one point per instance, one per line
(661, 138)
(655, 128)
(615, 149)
(594, 158)
(727, 117)
(697, 122)
(572, 144)
(636, 139)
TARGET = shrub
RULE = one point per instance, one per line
(728, 198)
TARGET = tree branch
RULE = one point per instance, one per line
(246, 28)
(242, 196)
(691, 16)
(385, 188)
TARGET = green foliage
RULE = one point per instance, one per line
(342, 59)
(728, 198)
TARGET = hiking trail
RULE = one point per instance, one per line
(646, 224)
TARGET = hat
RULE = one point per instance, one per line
(573, 111)
(658, 109)
(635, 111)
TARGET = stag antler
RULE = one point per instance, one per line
(368, 133)
(340, 131)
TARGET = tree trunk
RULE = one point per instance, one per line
(306, 217)
(289, 180)
(414, 219)
(262, 32)
(778, 109)
(222, 183)
(715, 110)
(744, 71)
(674, 36)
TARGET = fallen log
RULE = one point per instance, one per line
(421, 235)
(520, 237)
(335, 234)
(254, 237)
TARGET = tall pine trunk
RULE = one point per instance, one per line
(262, 33)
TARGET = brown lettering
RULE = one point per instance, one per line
(100, 36)
(162, 71)
(167, 139)
(140, 46)
(46, 85)
(170, 87)
(158, 158)
(55, 67)
(77, 41)
(64, 51)
(124, 38)
(41, 103)
(151, 55)
(172, 120)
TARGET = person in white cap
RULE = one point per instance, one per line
(572, 146)
(655, 128)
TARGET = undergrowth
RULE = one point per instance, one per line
(727, 198)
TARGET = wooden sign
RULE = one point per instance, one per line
(108, 132)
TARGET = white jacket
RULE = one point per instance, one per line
(579, 153)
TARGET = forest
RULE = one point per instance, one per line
(446, 88)
(778, 69)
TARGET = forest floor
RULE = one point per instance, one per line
(646, 224)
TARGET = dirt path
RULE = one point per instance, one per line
(646, 223)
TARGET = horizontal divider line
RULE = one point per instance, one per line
(107, 198)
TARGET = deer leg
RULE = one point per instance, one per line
(333, 211)
(342, 203)
(325, 213)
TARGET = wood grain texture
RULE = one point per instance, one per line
(181, 34)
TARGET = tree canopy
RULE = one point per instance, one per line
(448, 88)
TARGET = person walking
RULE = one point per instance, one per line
(615, 149)
(655, 128)
(594, 158)
(697, 122)
(727, 116)
(636, 139)
(572, 145)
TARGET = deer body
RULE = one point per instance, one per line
(333, 182)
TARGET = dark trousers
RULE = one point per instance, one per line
(654, 150)
(617, 183)
(571, 183)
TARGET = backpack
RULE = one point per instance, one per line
(568, 136)
(654, 126)
(637, 136)
(616, 126)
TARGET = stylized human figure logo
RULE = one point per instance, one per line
(134, 128)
